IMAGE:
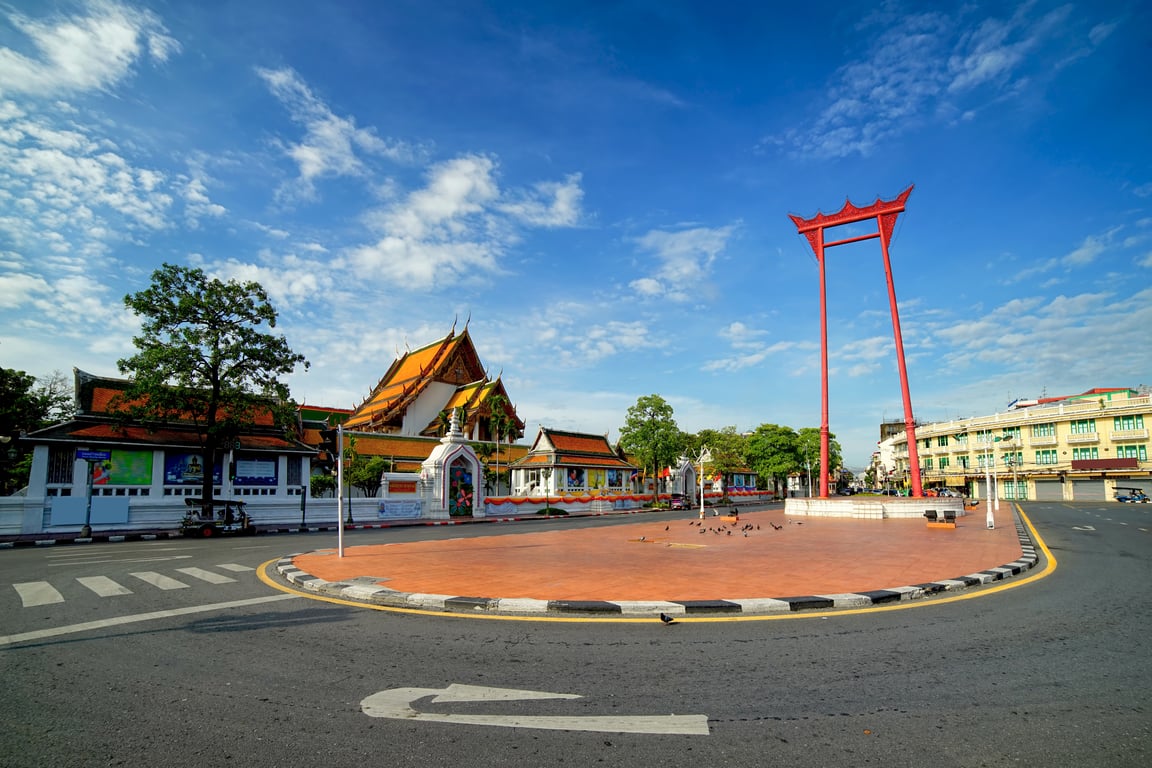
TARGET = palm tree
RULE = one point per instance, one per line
(497, 424)
(484, 452)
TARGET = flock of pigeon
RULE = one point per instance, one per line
(722, 530)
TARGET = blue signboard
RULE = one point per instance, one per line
(85, 455)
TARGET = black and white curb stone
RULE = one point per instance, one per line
(367, 589)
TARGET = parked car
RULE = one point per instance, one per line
(678, 501)
(1133, 496)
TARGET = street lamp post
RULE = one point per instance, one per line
(705, 455)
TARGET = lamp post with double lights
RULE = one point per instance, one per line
(704, 456)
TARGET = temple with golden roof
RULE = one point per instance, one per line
(423, 387)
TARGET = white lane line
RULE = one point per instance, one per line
(124, 560)
(103, 586)
(235, 568)
(159, 580)
(120, 620)
(34, 593)
(208, 576)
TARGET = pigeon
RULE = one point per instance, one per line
(665, 527)
(666, 619)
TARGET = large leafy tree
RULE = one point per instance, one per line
(772, 453)
(808, 448)
(650, 433)
(726, 446)
(206, 356)
(26, 404)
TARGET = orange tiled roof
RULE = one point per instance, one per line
(407, 377)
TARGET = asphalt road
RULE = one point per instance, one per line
(1054, 672)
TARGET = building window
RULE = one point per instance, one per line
(1015, 491)
(1127, 423)
(1014, 459)
(985, 460)
(1085, 454)
(942, 441)
(928, 464)
(962, 438)
(294, 464)
(1083, 426)
(943, 462)
(983, 436)
(60, 464)
(963, 461)
(1046, 457)
(1044, 430)
(1011, 433)
(1139, 452)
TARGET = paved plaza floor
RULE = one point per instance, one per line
(762, 555)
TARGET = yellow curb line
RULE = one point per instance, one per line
(924, 603)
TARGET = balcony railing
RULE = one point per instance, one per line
(1045, 440)
(1122, 435)
(1083, 437)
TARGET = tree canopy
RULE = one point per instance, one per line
(776, 452)
(650, 433)
(726, 446)
(26, 404)
(206, 356)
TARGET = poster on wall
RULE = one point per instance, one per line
(575, 477)
(597, 478)
(187, 469)
(123, 468)
(253, 471)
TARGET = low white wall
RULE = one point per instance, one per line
(872, 507)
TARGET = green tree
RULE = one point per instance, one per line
(484, 452)
(498, 420)
(26, 404)
(206, 357)
(808, 449)
(366, 473)
(321, 485)
(772, 452)
(651, 434)
(726, 445)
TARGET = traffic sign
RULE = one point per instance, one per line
(93, 455)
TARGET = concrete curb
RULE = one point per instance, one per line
(366, 589)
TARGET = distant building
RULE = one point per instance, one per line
(571, 463)
(1081, 447)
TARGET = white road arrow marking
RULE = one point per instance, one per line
(396, 703)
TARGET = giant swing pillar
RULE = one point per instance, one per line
(885, 213)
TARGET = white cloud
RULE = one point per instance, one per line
(456, 227)
(684, 261)
(550, 204)
(332, 145)
(87, 51)
(933, 66)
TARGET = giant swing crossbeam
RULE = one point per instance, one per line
(885, 213)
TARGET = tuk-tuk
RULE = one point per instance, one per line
(1133, 496)
(224, 516)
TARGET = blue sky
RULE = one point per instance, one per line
(603, 188)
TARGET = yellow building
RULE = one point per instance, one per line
(1086, 447)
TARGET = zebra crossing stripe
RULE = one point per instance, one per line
(103, 586)
(34, 593)
(235, 568)
(159, 580)
(208, 576)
